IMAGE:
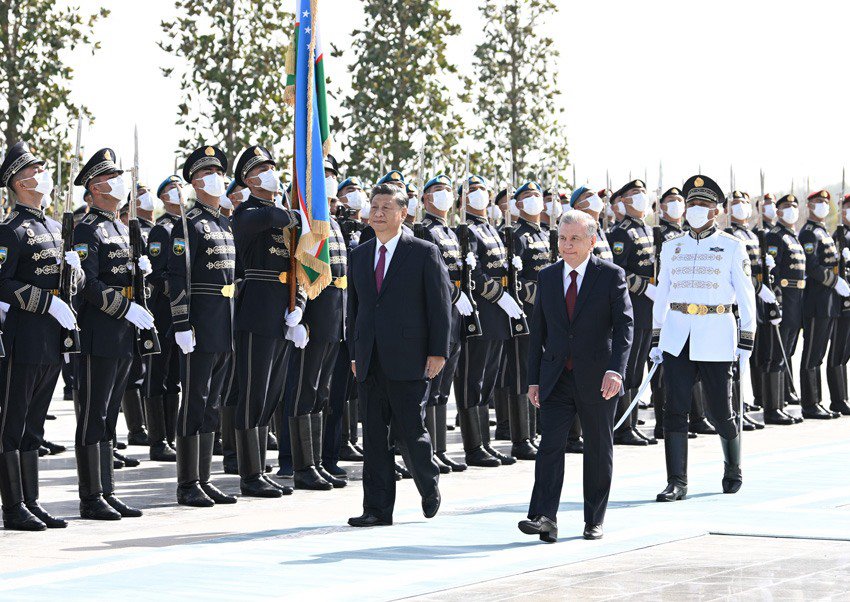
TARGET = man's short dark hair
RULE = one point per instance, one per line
(399, 194)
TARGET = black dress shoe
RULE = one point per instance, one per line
(125, 460)
(629, 437)
(816, 412)
(405, 474)
(575, 446)
(841, 407)
(43, 451)
(217, 495)
(53, 448)
(258, 487)
(777, 417)
(96, 508)
(336, 482)
(524, 450)
(368, 520)
(192, 495)
(138, 438)
(284, 489)
(123, 509)
(335, 470)
(592, 531)
(347, 453)
(542, 526)
(702, 427)
(454, 465)
(650, 440)
(19, 518)
(479, 457)
(162, 452)
(692, 435)
(672, 493)
(44, 516)
(431, 504)
(748, 426)
(502, 458)
(444, 468)
(753, 421)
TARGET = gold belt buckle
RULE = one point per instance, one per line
(283, 277)
(341, 282)
(801, 284)
(693, 309)
(703, 310)
(783, 282)
(227, 290)
(721, 309)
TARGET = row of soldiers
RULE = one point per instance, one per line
(243, 348)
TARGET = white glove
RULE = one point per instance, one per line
(509, 306)
(463, 305)
(776, 321)
(145, 265)
(845, 254)
(656, 355)
(842, 288)
(4, 309)
(650, 291)
(517, 263)
(743, 355)
(298, 335)
(766, 295)
(72, 258)
(769, 261)
(63, 314)
(185, 339)
(471, 261)
(294, 318)
(139, 317)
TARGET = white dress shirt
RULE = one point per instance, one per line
(391, 244)
(582, 267)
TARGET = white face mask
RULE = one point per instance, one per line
(790, 215)
(43, 184)
(742, 211)
(676, 209)
(116, 188)
(553, 209)
(367, 209)
(610, 213)
(621, 209)
(213, 184)
(442, 200)
(513, 208)
(820, 210)
(494, 213)
(269, 181)
(246, 194)
(146, 202)
(412, 204)
(330, 187)
(356, 199)
(174, 196)
(640, 202)
(770, 211)
(478, 199)
(532, 205)
(697, 216)
(595, 203)
(847, 215)
(224, 202)
(45, 201)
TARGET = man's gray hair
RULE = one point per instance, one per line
(399, 194)
(574, 216)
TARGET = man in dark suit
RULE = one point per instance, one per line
(581, 334)
(399, 319)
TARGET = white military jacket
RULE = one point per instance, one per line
(701, 277)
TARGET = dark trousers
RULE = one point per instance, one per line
(441, 385)
(342, 382)
(25, 392)
(516, 364)
(399, 405)
(839, 346)
(789, 333)
(477, 370)
(102, 382)
(261, 367)
(816, 335)
(680, 374)
(202, 376)
(638, 356)
(138, 370)
(311, 370)
(162, 371)
(557, 414)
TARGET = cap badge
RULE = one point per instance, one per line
(209, 152)
(108, 156)
(395, 176)
(824, 194)
(638, 184)
(699, 182)
(258, 152)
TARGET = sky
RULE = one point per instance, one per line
(746, 84)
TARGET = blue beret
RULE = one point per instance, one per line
(166, 182)
(576, 194)
(354, 181)
(438, 179)
(527, 186)
(393, 176)
(472, 180)
(233, 185)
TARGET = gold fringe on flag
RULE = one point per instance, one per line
(289, 62)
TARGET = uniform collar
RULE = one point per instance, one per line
(470, 217)
(436, 218)
(532, 225)
(261, 201)
(635, 220)
(816, 224)
(146, 222)
(214, 212)
(35, 212)
(704, 234)
(671, 225)
(788, 229)
(110, 215)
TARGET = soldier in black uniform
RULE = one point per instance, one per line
(108, 317)
(30, 253)
(839, 345)
(789, 280)
(201, 271)
(822, 302)
(632, 245)
(587, 201)
(263, 322)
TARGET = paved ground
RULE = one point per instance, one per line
(786, 535)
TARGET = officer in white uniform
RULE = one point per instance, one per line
(704, 272)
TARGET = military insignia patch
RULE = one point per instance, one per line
(4, 253)
(716, 249)
(82, 250)
(809, 247)
(179, 246)
(617, 248)
(155, 248)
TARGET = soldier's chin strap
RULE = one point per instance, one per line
(641, 390)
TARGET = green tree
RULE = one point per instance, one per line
(35, 84)
(516, 100)
(232, 75)
(403, 89)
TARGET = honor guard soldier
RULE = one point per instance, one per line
(633, 250)
(201, 271)
(395, 178)
(839, 346)
(822, 302)
(587, 201)
(162, 370)
(30, 254)
(437, 200)
(702, 275)
(351, 199)
(263, 322)
(108, 318)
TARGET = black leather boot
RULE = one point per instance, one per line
(676, 457)
(264, 436)
(16, 516)
(484, 425)
(521, 447)
(107, 481)
(172, 407)
(431, 427)
(836, 380)
(29, 480)
(658, 406)
(470, 432)
(92, 504)
(346, 449)
(305, 476)
(732, 479)
(635, 422)
(316, 434)
(791, 397)
(228, 441)
(625, 434)
(206, 442)
(251, 467)
(134, 415)
(783, 377)
(440, 418)
(160, 450)
(771, 398)
(501, 404)
(189, 492)
(697, 422)
(810, 396)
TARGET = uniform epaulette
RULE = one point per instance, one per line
(728, 235)
(10, 217)
(807, 227)
(193, 214)
(623, 225)
(89, 219)
(774, 230)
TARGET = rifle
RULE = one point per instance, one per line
(761, 208)
(554, 216)
(147, 341)
(70, 339)
(418, 228)
(57, 187)
(519, 326)
(472, 323)
(657, 236)
(839, 236)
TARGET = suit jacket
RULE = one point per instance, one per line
(598, 338)
(409, 320)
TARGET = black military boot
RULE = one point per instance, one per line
(206, 442)
(771, 397)
(635, 422)
(251, 466)
(16, 515)
(305, 476)
(171, 407)
(440, 417)
(810, 396)
(836, 380)
(92, 504)
(658, 406)
(431, 427)
(29, 480)
(107, 482)
(501, 404)
(160, 450)
(271, 440)
(676, 457)
(470, 432)
(484, 425)
(119, 459)
(346, 449)
(783, 378)
(228, 441)
(791, 397)
(316, 433)
(697, 422)
(189, 492)
(732, 479)
(521, 447)
(625, 434)
(284, 489)
(134, 415)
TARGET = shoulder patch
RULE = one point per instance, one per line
(89, 219)
(82, 250)
(4, 253)
(179, 246)
(807, 227)
(154, 248)
(10, 217)
(809, 247)
(617, 248)
(772, 250)
(193, 213)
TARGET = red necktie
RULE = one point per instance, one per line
(572, 293)
(379, 269)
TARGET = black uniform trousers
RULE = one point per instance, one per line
(557, 414)
(789, 332)
(261, 367)
(162, 376)
(138, 370)
(638, 355)
(680, 374)
(816, 335)
(516, 364)
(839, 347)
(399, 405)
(102, 382)
(341, 385)
(441, 385)
(25, 392)
(203, 377)
(310, 371)
(477, 371)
